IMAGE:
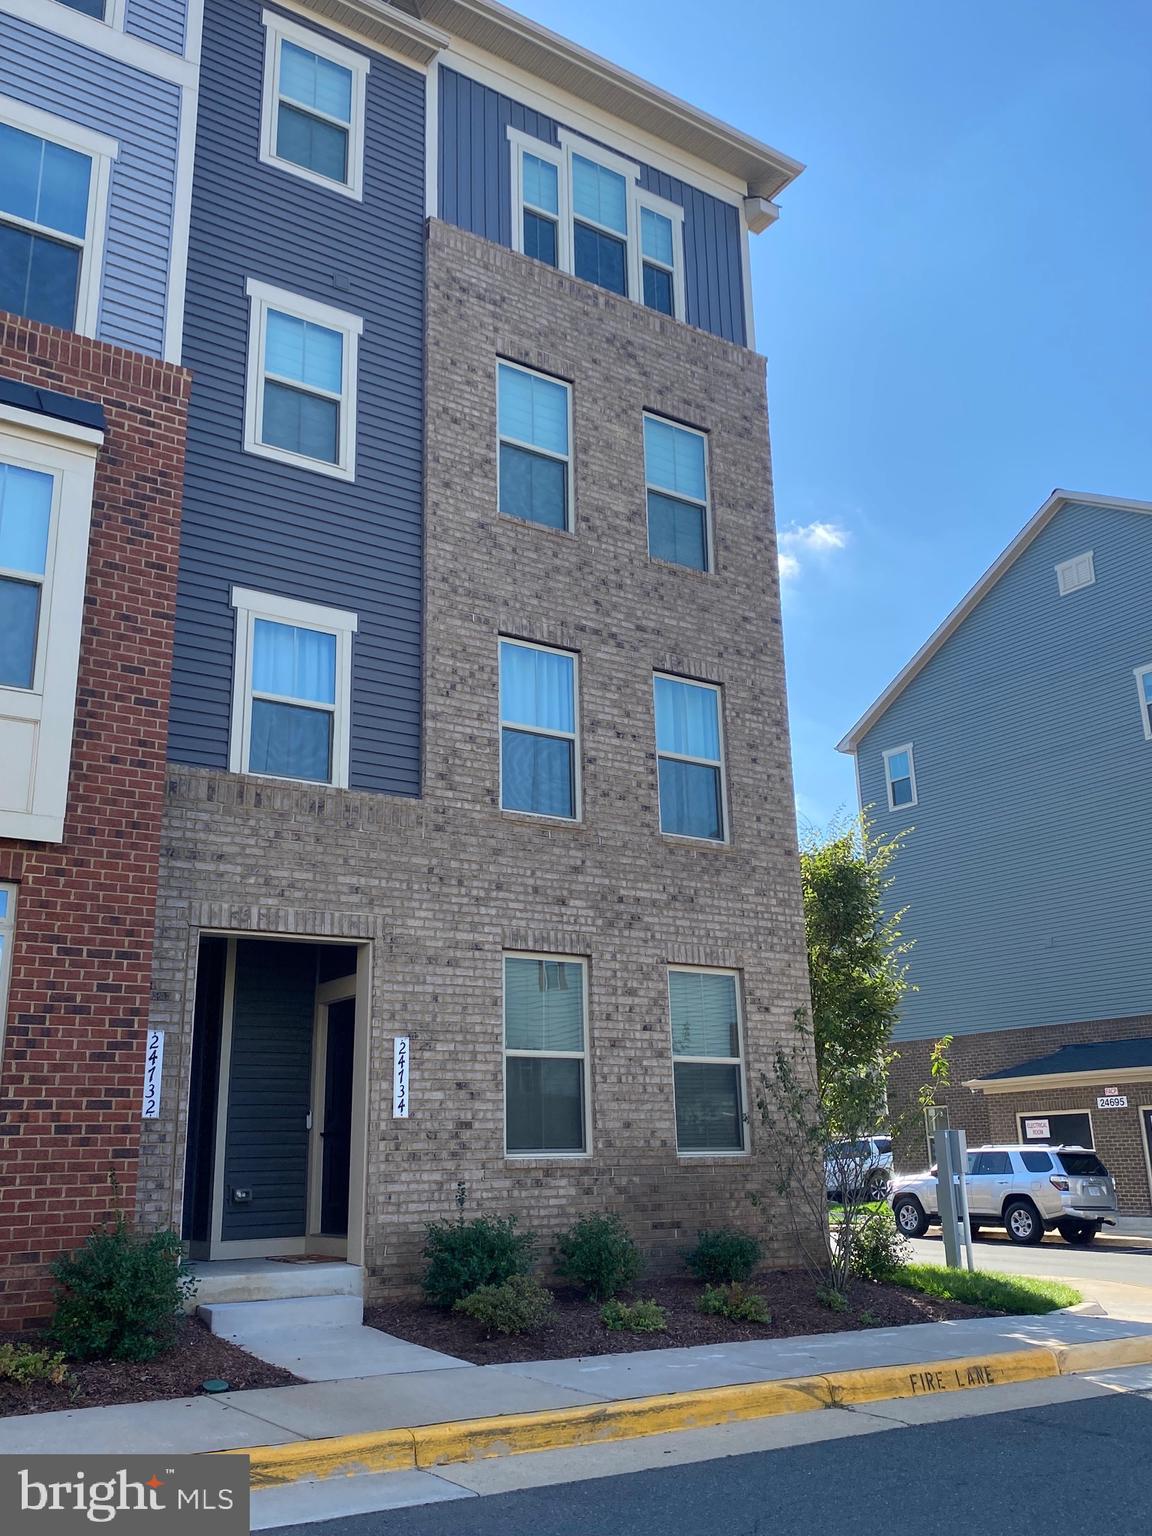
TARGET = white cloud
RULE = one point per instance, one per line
(803, 540)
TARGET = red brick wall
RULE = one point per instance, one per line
(1118, 1132)
(72, 1065)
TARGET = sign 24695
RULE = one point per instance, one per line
(1112, 1101)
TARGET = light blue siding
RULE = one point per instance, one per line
(44, 70)
(475, 173)
(157, 21)
(1027, 876)
(252, 522)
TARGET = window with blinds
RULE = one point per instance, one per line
(545, 1056)
(707, 1065)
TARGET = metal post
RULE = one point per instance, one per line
(952, 1195)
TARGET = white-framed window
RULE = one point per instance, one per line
(580, 207)
(707, 1059)
(300, 401)
(7, 937)
(690, 758)
(47, 469)
(534, 424)
(312, 122)
(292, 680)
(1072, 575)
(676, 488)
(54, 180)
(900, 776)
(539, 731)
(545, 1055)
(111, 12)
(660, 253)
(1144, 688)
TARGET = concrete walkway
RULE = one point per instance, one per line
(452, 1391)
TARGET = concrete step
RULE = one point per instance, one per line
(245, 1320)
(224, 1280)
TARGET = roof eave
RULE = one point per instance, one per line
(1041, 1080)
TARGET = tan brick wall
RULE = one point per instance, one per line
(445, 885)
(1118, 1133)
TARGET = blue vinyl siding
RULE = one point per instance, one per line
(157, 21)
(43, 70)
(252, 522)
(1027, 875)
(475, 174)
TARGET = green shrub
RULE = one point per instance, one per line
(519, 1305)
(868, 1319)
(599, 1256)
(23, 1364)
(828, 1296)
(635, 1317)
(121, 1294)
(723, 1257)
(1020, 1294)
(879, 1247)
(733, 1302)
(465, 1255)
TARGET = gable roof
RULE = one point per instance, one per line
(1055, 503)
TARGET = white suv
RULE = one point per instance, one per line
(862, 1165)
(1031, 1190)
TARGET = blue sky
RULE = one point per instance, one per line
(955, 302)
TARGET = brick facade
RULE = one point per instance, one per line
(73, 1051)
(1118, 1133)
(441, 887)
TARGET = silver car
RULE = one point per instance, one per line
(1029, 1189)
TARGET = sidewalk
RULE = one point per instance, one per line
(550, 1402)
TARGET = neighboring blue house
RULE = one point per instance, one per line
(1017, 746)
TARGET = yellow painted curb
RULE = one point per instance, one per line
(385, 1450)
(881, 1383)
(1103, 1354)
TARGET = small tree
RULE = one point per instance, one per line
(827, 1092)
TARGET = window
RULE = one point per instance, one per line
(53, 198)
(7, 934)
(707, 1070)
(1144, 685)
(535, 469)
(580, 208)
(538, 735)
(293, 688)
(93, 8)
(47, 468)
(1073, 574)
(900, 776)
(545, 1057)
(990, 1163)
(300, 406)
(690, 758)
(1036, 1162)
(676, 480)
(313, 112)
(1068, 1128)
(661, 282)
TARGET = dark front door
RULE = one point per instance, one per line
(336, 1135)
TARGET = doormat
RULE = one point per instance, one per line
(305, 1258)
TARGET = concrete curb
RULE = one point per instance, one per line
(432, 1445)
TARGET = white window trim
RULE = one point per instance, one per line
(537, 730)
(113, 16)
(662, 490)
(675, 213)
(585, 1055)
(574, 144)
(45, 713)
(705, 762)
(8, 938)
(720, 1061)
(894, 752)
(101, 150)
(278, 29)
(1066, 581)
(261, 298)
(545, 453)
(1145, 705)
(1047, 1114)
(250, 606)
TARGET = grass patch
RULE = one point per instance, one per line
(836, 1211)
(1006, 1293)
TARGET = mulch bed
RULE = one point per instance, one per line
(195, 1357)
(575, 1328)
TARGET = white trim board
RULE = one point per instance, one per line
(1008, 557)
(109, 38)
